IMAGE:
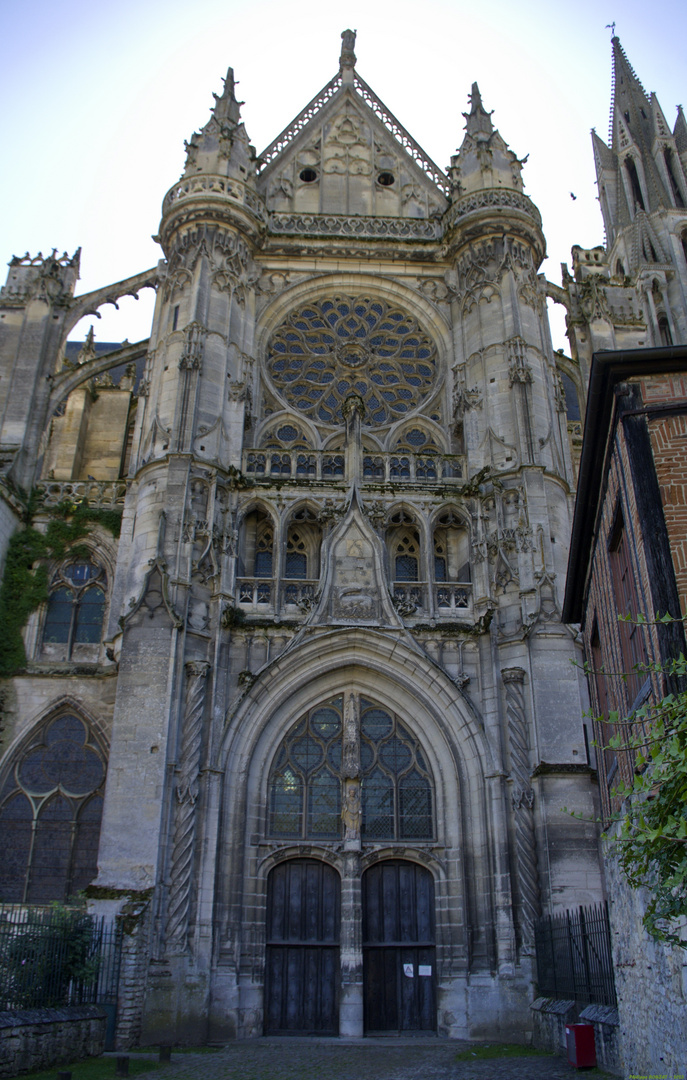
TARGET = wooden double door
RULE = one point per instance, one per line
(303, 965)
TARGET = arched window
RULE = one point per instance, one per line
(303, 546)
(257, 544)
(664, 333)
(76, 608)
(451, 549)
(452, 574)
(403, 542)
(50, 811)
(397, 795)
(635, 186)
(305, 782)
(672, 176)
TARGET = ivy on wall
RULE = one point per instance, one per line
(25, 582)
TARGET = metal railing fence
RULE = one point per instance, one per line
(56, 956)
(574, 959)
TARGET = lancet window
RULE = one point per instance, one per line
(76, 608)
(50, 811)
(303, 546)
(306, 780)
(403, 540)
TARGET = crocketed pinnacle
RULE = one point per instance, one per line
(227, 108)
(478, 120)
(222, 146)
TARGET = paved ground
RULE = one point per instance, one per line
(369, 1059)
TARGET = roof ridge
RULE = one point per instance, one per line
(413, 148)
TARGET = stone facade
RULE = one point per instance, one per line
(329, 675)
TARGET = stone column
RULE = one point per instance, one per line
(186, 795)
(351, 1004)
(523, 803)
(353, 412)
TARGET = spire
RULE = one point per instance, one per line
(478, 119)
(484, 159)
(222, 147)
(680, 131)
(630, 105)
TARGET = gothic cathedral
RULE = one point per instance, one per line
(287, 688)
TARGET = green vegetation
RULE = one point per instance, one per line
(25, 582)
(650, 833)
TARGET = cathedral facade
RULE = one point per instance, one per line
(293, 700)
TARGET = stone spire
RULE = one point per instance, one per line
(222, 147)
(484, 159)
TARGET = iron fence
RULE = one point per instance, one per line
(55, 956)
(574, 958)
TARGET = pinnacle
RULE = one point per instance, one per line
(347, 58)
(478, 119)
(227, 107)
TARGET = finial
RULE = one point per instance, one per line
(478, 119)
(611, 27)
(347, 58)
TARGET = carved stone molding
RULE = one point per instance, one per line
(522, 799)
(186, 794)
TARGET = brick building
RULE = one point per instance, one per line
(627, 558)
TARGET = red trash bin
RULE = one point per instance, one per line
(581, 1046)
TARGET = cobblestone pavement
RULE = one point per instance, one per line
(369, 1059)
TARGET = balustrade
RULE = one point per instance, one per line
(377, 468)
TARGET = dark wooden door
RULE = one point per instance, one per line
(302, 962)
(398, 948)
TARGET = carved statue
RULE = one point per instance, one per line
(352, 811)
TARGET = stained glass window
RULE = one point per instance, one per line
(305, 783)
(76, 608)
(53, 794)
(341, 346)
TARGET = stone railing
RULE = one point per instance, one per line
(257, 593)
(209, 186)
(380, 467)
(452, 598)
(100, 494)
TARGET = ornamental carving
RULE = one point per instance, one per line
(341, 346)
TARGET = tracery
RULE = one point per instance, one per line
(341, 346)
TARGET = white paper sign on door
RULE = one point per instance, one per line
(424, 969)
(408, 970)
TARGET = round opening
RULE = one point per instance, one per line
(386, 179)
(308, 175)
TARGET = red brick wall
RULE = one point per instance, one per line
(669, 445)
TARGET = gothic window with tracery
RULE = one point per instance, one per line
(50, 811)
(305, 781)
(76, 608)
(257, 545)
(403, 543)
(333, 348)
(303, 545)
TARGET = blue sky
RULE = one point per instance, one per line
(100, 96)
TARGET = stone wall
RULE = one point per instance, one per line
(550, 1017)
(651, 984)
(32, 1039)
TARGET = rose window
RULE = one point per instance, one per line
(335, 348)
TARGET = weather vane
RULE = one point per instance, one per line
(611, 26)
